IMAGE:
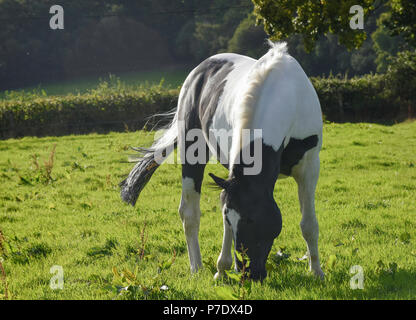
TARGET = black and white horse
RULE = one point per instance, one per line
(233, 93)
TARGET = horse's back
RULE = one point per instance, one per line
(283, 101)
(286, 107)
(231, 91)
(208, 91)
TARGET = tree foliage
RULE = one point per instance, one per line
(385, 45)
(111, 36)
(248, 39)
(311, 19)
(403, 20)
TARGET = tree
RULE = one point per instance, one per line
(209, 33)
(29, 50)
(115, 44)
(311, 19)
(385, 45)
(403, 20)
(248, 39)
(402, 78)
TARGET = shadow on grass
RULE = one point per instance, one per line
(102, 251)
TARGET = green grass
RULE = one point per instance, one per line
(172, 77)
(68, 213)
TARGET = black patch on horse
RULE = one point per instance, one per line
(294, 152)
(203, 93)
(200, 101)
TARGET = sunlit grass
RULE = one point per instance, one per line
(75, 219)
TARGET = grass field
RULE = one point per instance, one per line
(172, 77)
(68, 212)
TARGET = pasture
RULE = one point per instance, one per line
(62, 207)
(172, 77)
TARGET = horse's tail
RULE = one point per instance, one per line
(151, 158)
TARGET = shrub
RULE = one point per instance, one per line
(371, 97)
(115, 107)
(248, 39)
(104, 109)
(401, 75)
(357, 99)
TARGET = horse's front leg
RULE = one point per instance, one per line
(190, 213)
(225, 259)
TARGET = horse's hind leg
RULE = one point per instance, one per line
(306, 175)
(190, 212)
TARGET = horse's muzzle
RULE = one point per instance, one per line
(258, 274)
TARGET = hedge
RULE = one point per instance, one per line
(365, 98)
(381, 97)
(97, 111)
(372, 98)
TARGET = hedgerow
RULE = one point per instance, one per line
(116, 107)
(374, 97)
(107, 108)
(358, 99)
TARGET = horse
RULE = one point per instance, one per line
(233, 93)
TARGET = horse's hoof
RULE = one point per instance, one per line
(217, 276)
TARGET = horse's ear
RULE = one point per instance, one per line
(223, 184)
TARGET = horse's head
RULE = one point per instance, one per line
(254, 218)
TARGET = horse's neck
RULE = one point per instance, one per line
(270, 167)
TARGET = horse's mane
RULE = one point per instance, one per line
(257, 76)
(255, 79)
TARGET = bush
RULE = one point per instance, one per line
(380, 97)
(102, 110)
(114, 107)
(249, 39)
(401, 76)
(356, 99)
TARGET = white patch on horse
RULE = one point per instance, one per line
(233, 218)
(190, 213)
(225, 259)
